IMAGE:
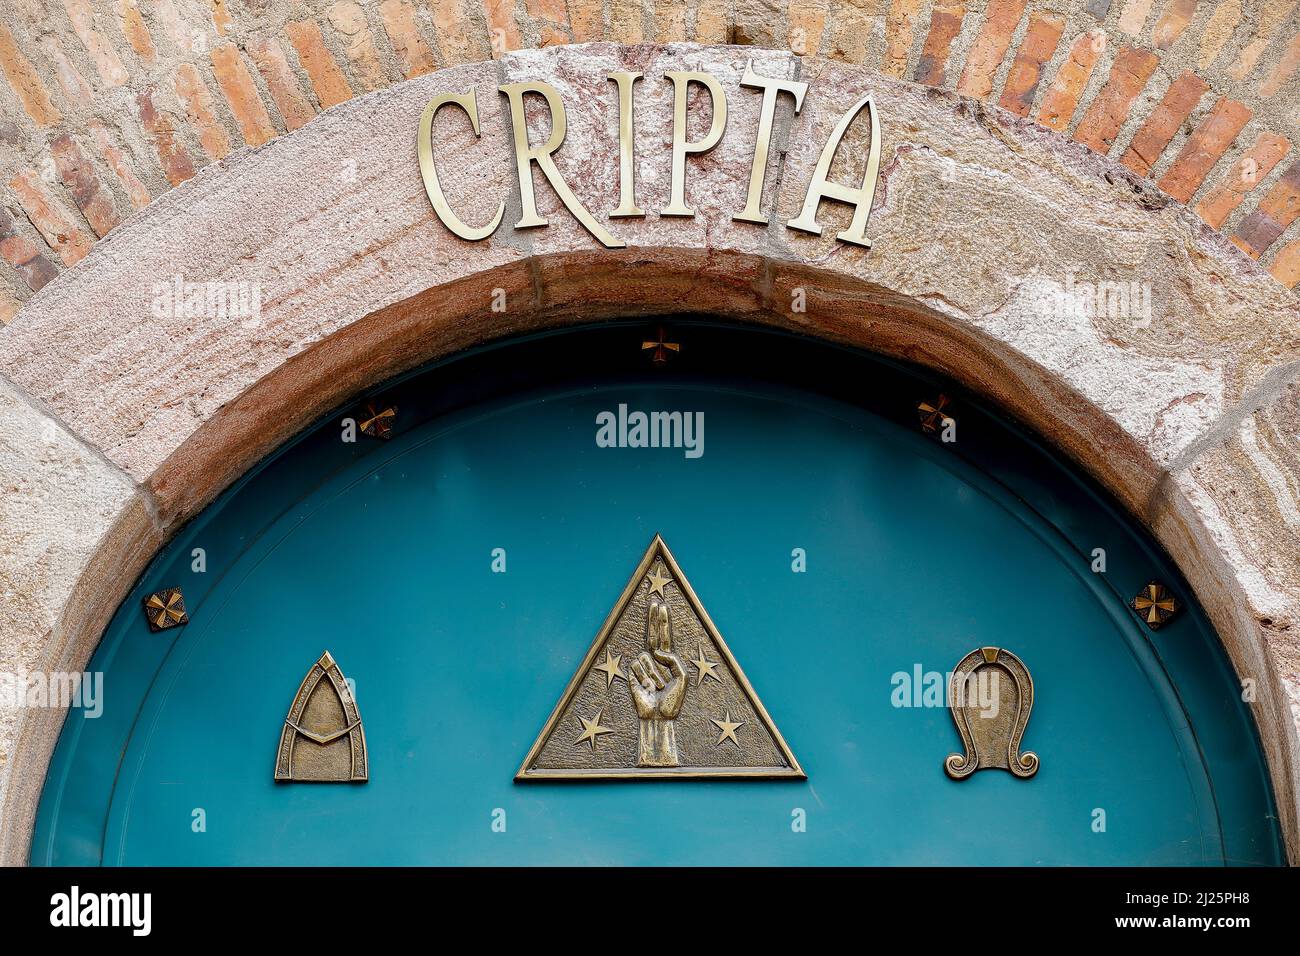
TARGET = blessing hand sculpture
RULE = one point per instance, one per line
(658, 687)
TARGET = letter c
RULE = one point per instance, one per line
(428, 172)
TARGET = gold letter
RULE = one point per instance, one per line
(681, 85)
(758, 170)
(626, 147)
(860, 198)
(526, 153)
(429, 173)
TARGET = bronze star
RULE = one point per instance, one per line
(610, 667)
(591, 729)
(657, 582)
(728, 728)
(705, 667)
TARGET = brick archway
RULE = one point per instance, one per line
(122, 419)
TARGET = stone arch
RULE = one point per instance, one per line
(122, 420)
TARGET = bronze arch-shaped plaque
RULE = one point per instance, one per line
(990, 695)
(322, 740)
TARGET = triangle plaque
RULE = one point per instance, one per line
(659, 695)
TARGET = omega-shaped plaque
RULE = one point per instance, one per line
(990, 695)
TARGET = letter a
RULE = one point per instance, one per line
(821, 188)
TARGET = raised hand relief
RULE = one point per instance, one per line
(658, 688)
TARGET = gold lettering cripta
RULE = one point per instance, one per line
(529, 154)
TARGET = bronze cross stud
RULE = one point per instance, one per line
(1155, 604)
(659, 345)
(379, 424)
(932, 414)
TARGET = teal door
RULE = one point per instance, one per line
(841, 550)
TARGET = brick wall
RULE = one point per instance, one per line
(106, 104)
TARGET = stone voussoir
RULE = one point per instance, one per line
(68, 518)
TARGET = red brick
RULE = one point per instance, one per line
(71, 82)
(1134, 16)
(1203, 148)
(97, 45)
(135, 31)
(327, 79)
(1278, 210)
(283, 84)
(199, 110)
(349, 20)
(241, 93)
(1110, 108)
(552, 10)
(626, 23)
(183, 34)
(1159, 129)
(712, 22)
(87, 191)
(119, 164)
(1246, 173)
(548, 35)
(172, 154)
(1172, 23)
(27, 259)
(51, 221)
(1284, 69)
(851, 30)
(502, 28)
(461, 40)
(1062, 97)
(669, 18)
(25, 82)
(587, 20)
(1244, 60)
(990, 46)
(1218, 30)
(806, 23)
(1286, 267)
(413, 54)
(9, 306)
(221, 18)
(900, 27)
(1041, 37)
(945, 24)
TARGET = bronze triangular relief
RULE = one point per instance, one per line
(322, 740)
(658, 695)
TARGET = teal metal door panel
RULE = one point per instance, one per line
(917, 552)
